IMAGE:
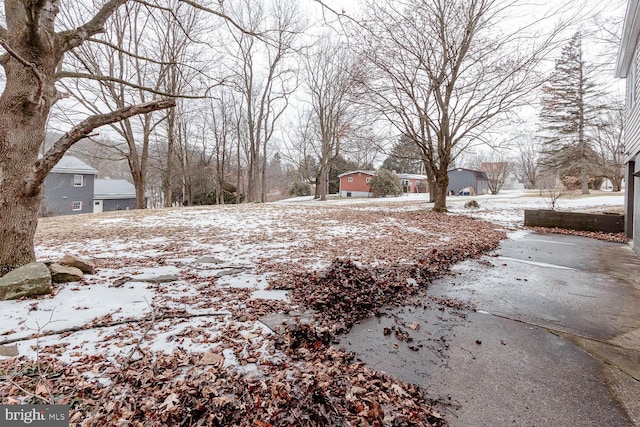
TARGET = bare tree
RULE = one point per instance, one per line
(329, 78)
(179, 54)
(128, 75)
(497, 169)
(222, 124)
(609, 130)
(157, 53)
(299, 148)
(444, 73)
(365, 144)
(606, 33)
(264, 77)
(528, 161)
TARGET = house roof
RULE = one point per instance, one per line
(412, 176)
(71, 164)
(113, 189)
(630, 32)
(478, 174)
(365, 172)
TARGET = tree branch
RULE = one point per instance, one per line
(100, 78)
(80, 131)
(127, 52)
(74, 38)
(221, 15)
(112, 323)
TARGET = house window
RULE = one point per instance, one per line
(405, 182)
(417, 182)
(368, 180)
(78, 180)
(350, 179)
(76, 206)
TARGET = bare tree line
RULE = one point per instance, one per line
(332, 108)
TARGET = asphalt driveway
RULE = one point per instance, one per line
(544, 333)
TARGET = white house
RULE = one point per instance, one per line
(627, 68)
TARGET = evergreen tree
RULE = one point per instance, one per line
(404, 158)
(569, 102)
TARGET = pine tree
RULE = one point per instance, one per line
(569, 102)
(404, 157)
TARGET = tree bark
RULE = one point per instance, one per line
(168, 178)
(431, 182)
(440, 196)
(26, 100)
(616, 184)
(321, 183)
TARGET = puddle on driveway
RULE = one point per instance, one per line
(406, 342)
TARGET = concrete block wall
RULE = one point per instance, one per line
(608, 223)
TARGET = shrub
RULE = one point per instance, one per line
(385, 183)
(299, 188)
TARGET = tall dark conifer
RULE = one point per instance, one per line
(569, 102)
(404, 157)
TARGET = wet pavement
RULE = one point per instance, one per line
(544, 333)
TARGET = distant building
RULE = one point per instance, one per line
(467, 182)
(113, 195)
(72, 188)
(356, 183)
(628, 67)
(68, 188)
(413, 183)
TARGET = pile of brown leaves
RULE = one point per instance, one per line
(599, 235)
(318, 385)
(346, 293)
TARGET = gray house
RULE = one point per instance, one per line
(467, 182)
(628, 67)
(68, 188)
(113, 195)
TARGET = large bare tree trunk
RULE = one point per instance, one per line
(24, 107)
(139, 183)
(321, 185)
(431, 181)
(440, 193)
(18, 211)
(168, 173)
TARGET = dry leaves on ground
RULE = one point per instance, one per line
(316, 386)
(362, 258)
(600, 235)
